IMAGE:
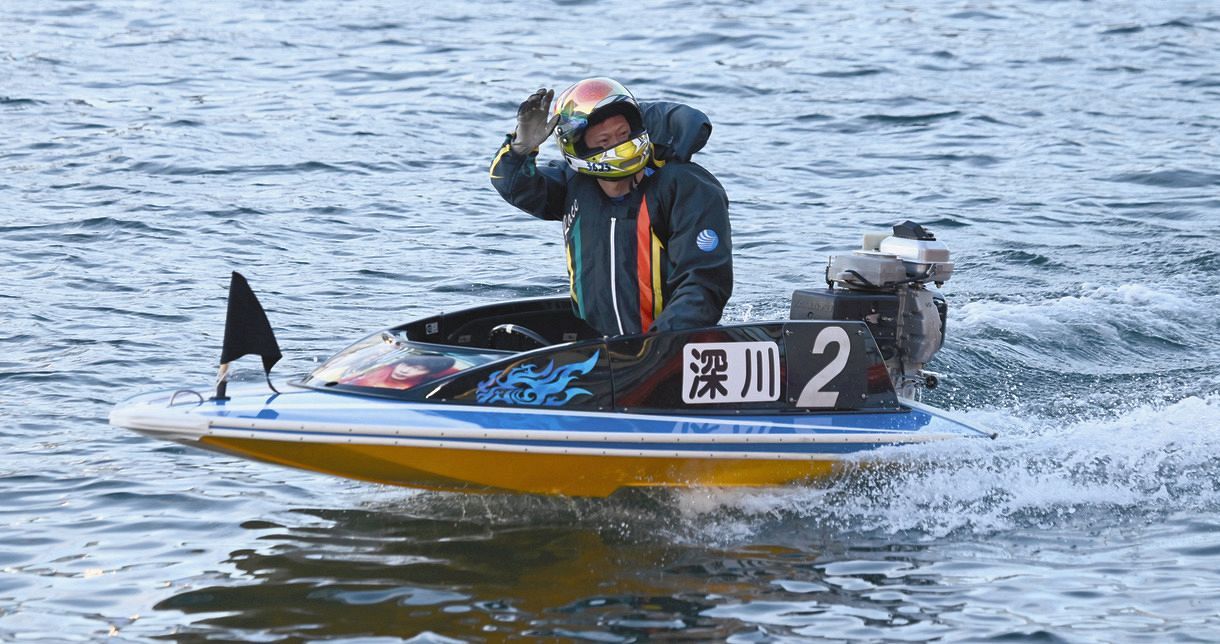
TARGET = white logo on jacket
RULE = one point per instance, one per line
(570, 218)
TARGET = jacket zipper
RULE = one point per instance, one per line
(614, 280)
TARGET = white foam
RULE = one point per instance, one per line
(1150, 461)
(1137, 305)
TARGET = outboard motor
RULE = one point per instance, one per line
(885, 285)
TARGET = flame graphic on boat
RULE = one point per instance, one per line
(527, 385)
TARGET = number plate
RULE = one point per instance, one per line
(730, 372)
(826, 366)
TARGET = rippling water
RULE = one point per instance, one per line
(336, 153)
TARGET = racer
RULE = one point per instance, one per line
(646, 231)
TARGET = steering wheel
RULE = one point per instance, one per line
(517, 329)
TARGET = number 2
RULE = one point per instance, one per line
(812, 395)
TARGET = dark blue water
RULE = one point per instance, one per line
(336, 153)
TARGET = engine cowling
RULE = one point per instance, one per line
(885, 284)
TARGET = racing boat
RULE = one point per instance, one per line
(522, 396)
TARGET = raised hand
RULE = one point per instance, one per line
(533, 124)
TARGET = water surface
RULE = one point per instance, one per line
(336, 153)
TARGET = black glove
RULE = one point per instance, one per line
(532, 124)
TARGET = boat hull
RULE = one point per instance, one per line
(504, 449)
(477, 470)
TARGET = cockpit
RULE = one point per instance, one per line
(431, 349)
(389, 360)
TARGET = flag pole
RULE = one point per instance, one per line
(222, 382)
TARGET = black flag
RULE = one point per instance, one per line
(247, 330)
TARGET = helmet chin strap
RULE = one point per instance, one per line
(621, 179)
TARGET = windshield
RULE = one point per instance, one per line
(387, 360)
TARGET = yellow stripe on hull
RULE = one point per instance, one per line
(468, 470)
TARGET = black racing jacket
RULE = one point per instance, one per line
(658, 259)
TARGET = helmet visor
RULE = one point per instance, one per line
(622, 160)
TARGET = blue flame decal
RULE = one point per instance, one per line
(526, 385)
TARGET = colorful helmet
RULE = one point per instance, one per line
(588, 103)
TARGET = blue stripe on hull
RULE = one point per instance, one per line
(632, 446)
(323, 411)
(775, 448)
(392, 414)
